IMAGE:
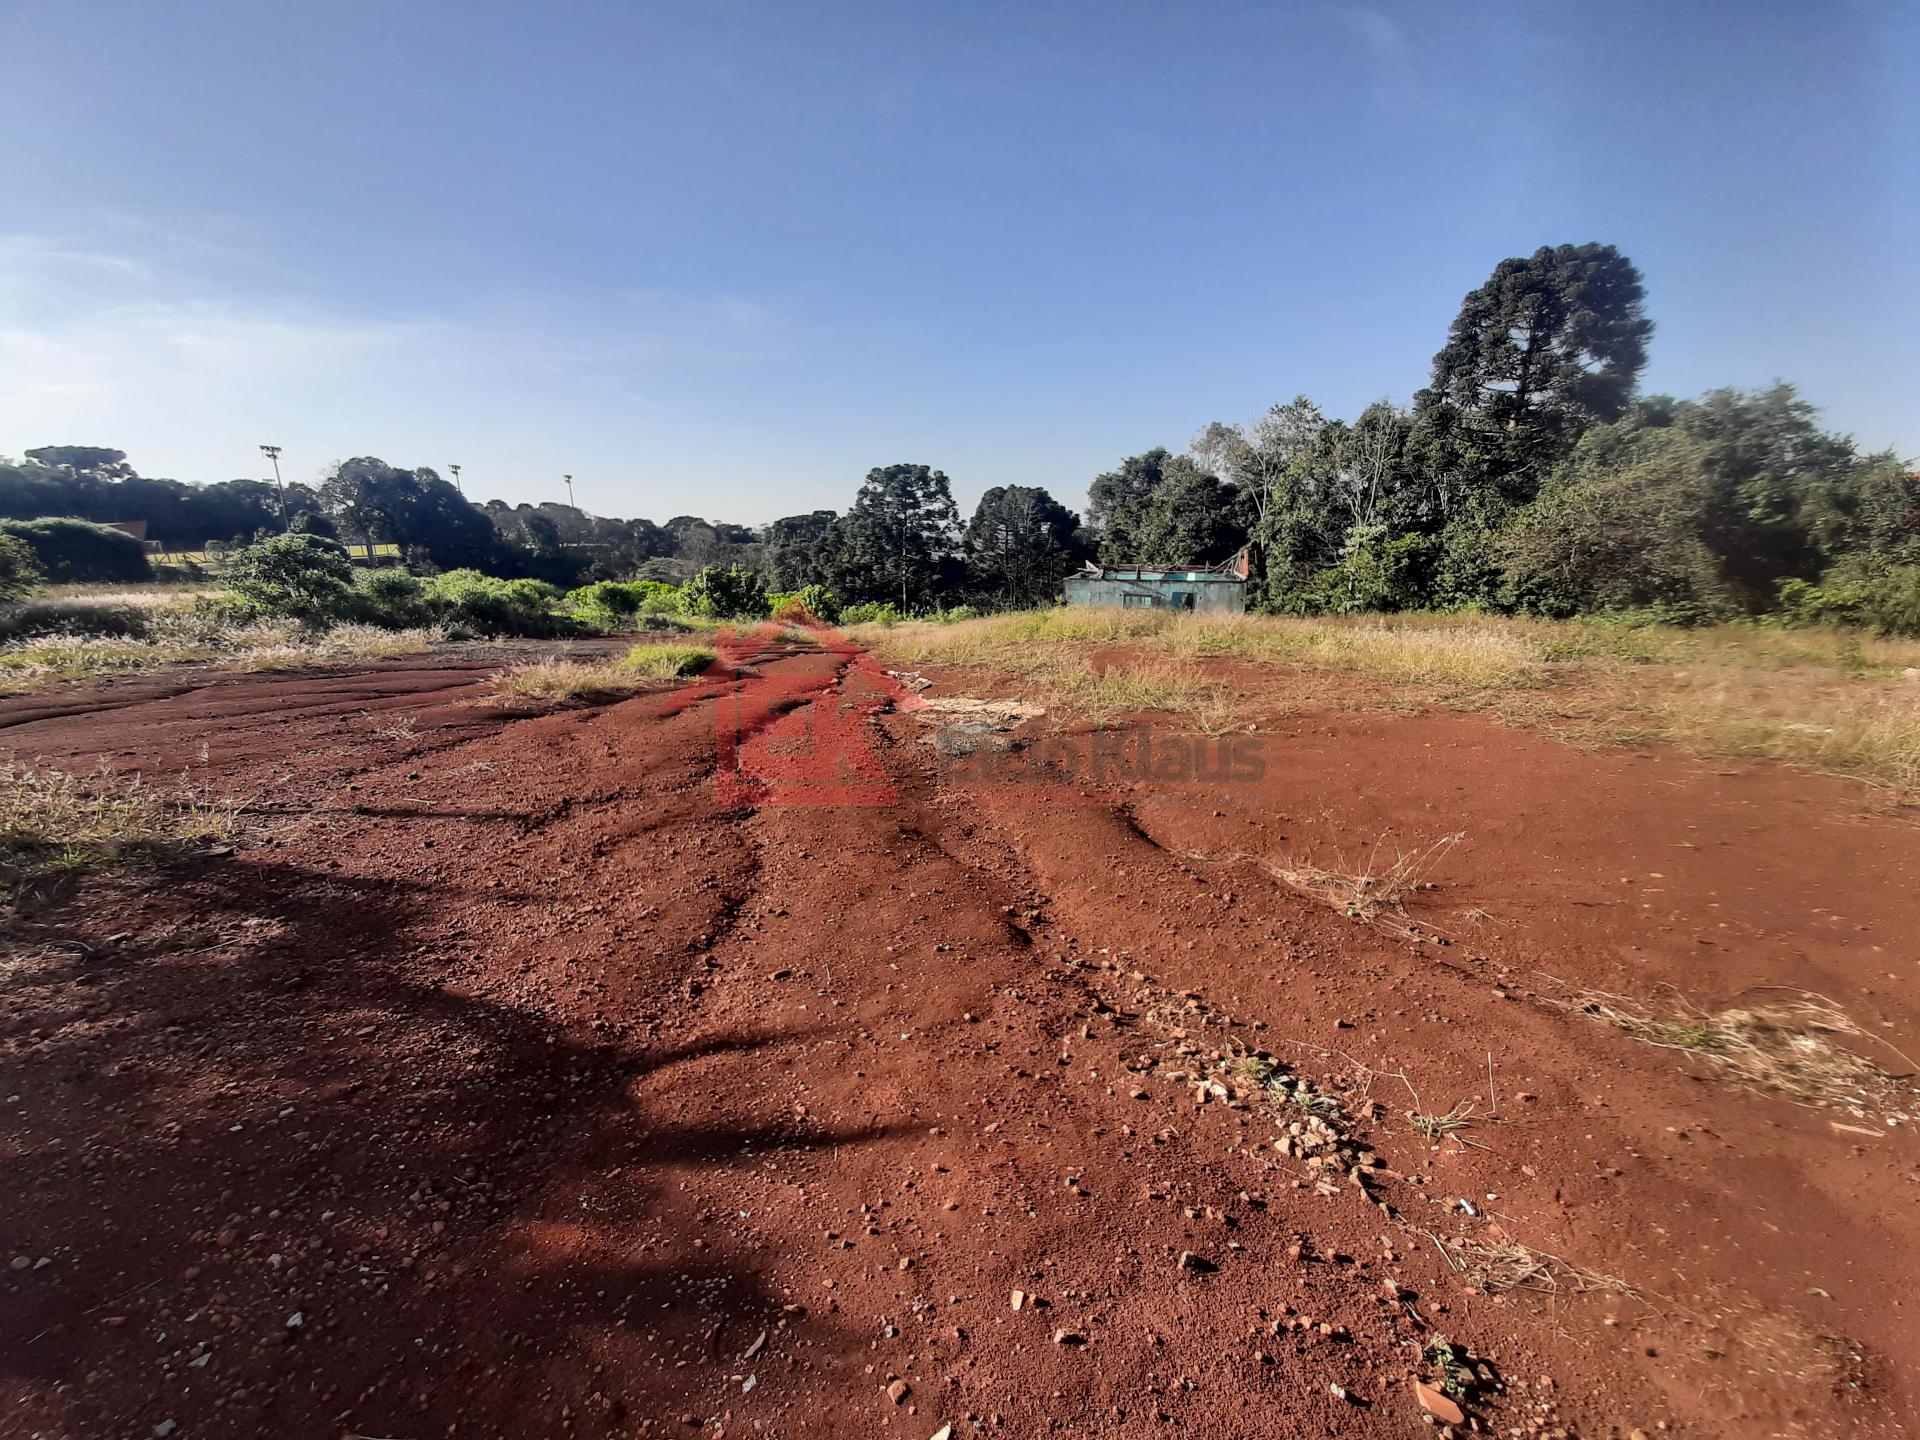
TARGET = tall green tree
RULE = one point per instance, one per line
(1115, 494)
(901, 538)
(1020, 544)
(96, 461)
(1259, 457)
(797, 550)
(1551, 345)
(369, 499)
(1705, 507)
(1188, 517)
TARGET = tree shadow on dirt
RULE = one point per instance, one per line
(286, 1180)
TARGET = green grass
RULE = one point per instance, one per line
(668, 661)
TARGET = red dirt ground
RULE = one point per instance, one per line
(511, 1078)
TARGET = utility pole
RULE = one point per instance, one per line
(272, 452)
(454, 470)
(569, 480)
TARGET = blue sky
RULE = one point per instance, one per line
(721, 258)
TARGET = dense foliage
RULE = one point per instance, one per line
(20, 569)
(730, 594)
(68, 550)
(301, 576)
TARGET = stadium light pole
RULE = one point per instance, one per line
(569, 480)
(454, 470)
(272, 452)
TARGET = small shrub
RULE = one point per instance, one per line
(613, 605)
(658, 598)
(872, 612)
(1887, 600)
(393, 598)
(729, 594)
(299, 577)
(605, 601)
(534, 593)
(68, 617)
(20, 569)
(668, 661)
(78, 550)
(809, 602)
(487, 605)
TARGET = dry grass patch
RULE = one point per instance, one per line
(1442, 650)
(1048, 649)
(270, 646)
(1374, 889)
(1867, 729)
(1787, 1049)
(1492, 1265)
(29, 665)
(1828, 700)
(63, 821)
(556, 680)
(1082, 688)
(562, 681)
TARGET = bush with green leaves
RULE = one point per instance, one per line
(487, 605)
(872, 612)
(392, 597)
(20, 570)
(37, 618)
(68, 550)
(729, 594)
(604, 602)
(299, 577)
(815, 600)
(1886, 600)
(610, 605)
(657, 597)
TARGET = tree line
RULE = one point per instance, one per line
(1529, 475)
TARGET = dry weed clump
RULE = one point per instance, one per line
(59, 819)
(1787, 1049)
(1374, 891)
(557, 680)
(1495, 1263)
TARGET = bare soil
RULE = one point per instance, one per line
(521, 1075)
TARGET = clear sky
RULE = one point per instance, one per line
(720, 258)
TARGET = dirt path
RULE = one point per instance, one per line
(516, 1079)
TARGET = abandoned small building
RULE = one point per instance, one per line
(1217, 587)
